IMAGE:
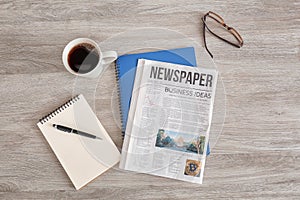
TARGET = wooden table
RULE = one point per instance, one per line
(257, 155)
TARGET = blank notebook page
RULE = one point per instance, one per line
(82, 158)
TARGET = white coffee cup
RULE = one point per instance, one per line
(105, 58)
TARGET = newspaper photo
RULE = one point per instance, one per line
(169, 120)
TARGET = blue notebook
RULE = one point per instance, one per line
(126, 67)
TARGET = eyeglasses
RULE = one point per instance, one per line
(209, 22)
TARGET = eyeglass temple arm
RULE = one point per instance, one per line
(205, 45)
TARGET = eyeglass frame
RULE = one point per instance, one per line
(228, 28)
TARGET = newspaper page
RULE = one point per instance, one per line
(169, 120)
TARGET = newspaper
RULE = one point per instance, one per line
(169, 120)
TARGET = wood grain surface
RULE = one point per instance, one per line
(258, 153)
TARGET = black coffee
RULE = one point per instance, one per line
(83, 58)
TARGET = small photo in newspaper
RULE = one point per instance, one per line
(192, 168)
(180, 141)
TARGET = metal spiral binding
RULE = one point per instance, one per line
(117, 73)
(59, 109)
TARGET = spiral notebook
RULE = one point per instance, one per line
(126, 68)
(82, 158)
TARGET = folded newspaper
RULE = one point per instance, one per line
(169, 120)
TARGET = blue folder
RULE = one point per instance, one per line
(126, 67)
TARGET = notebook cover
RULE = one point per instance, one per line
(126, 67)
(77, 153)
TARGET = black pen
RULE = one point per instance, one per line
(70, 130)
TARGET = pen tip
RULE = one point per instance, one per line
(99, 138)
(54, 125)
